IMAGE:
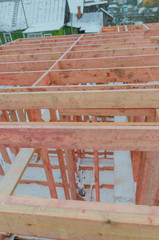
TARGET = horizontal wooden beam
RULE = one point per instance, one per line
(114, 46)
(19, 78)
(143, 98)
(78, 87)
(111, 136)
(33, 50)
(41, 45)
(110, 53)
(37, 49)
(30, 57)
(115, 62)
(113, 40)
(104, 75)
(76, 76)
(26, 66)
(108, 112)
(62, 219)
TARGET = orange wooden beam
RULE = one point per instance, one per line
(119, 136)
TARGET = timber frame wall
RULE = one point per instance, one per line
(71, 75)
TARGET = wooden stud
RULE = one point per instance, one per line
(48, 172)
(71, 172)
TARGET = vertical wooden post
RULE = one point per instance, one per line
(148, 181)
(1, 171)
(96, 169)
(96, 173)
(14, 119)
(63, 173)
(53, 115)
(61, 159)
(135, 157)
(13, 115)
(5, 155)
(34, 115)
(48, 172)
(21, 115)
(71, 172)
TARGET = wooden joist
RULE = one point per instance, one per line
(137, 98)
(58, 219)
(114, 136)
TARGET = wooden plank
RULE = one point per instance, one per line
(1, 171)
(34, 115)
(104, 75)
(115, 62)
(48, 172)
(148, 179)
(21, 115)
(63, 173)
(29, 57)
(96, 174)
(58, 219)
(124, 188)
(75, 76)
(60, 156)
(5, 155)
(78, 87)
(108, 112)
(111, 53)
(136, 156)
(144, 98)
(71, 172)
(114, 136)
(15, 172)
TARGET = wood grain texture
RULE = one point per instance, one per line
(137, 98)
(15, 171)
(58, 219)
(111, 136)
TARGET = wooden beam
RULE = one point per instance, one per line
(25, 66)
(114, 136)
(19, 78)
(59, 219)
(115, 62)
(113, 46)
(30, 57)
(28, 50)
(148, 183)
(63, 173)
(71, 172)
(78, 88)
(112, 53)
(5, 155)
(96, 175)
(15, 171)
(144, 98)
(104, 75)
(48, 172)
(108, 112)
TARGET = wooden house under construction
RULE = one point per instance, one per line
(79, 136)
